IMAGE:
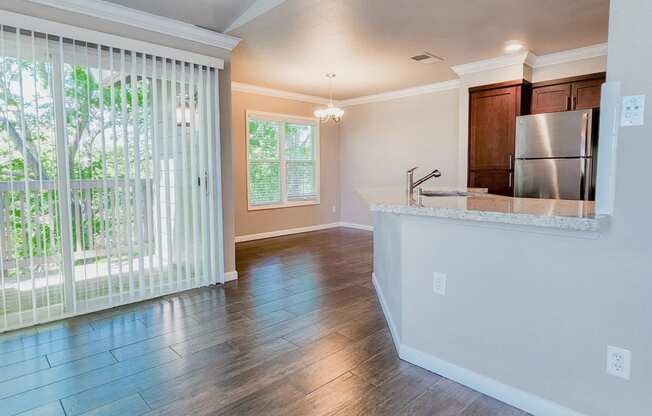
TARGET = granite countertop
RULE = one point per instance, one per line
(483, 207)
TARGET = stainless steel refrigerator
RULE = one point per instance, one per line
(555, 155)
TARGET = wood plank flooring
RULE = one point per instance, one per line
(300, 333)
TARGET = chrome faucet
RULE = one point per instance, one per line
(411, 184)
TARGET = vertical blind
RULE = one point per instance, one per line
(109, 176)
(283, 159)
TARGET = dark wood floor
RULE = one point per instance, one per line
(301, 333)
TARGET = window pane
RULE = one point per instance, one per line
(299, 142)
(264, 183)
(300, 180)
(263, 140)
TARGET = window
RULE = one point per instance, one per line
(282, 160)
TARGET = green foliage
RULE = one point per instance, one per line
(28, 145)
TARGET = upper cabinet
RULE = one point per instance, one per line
(576, 93)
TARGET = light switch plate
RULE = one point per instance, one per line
(633, 113)
(439, 283)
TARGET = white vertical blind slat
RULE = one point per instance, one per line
(3, 200)
(149, 208)
(156, 152)
(115, 227)
(166, 155)
(217, 166)
(212, 246)
(176, 177)
(135, 138)
(26, 228)
(195, 179)
(203, 174)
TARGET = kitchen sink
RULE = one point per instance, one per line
(445, 193)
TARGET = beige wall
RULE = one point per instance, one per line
(263, 221)
(380, 141)
(56, 15)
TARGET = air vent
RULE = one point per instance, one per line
(427, 58)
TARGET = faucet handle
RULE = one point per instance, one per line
(413, 169)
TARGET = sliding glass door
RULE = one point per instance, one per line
(109, 176)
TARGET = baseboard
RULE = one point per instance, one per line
(513, 396)
(356, 226)
(396, 336)
(230, 276)
(290, 231)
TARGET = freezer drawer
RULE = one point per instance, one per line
(553, 178)
(554, 135)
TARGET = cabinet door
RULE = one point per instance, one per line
(498, 182)
(551, 99)
(586, 94)
(492, 124)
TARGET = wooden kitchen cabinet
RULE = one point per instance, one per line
(567, 94)
(492, 128)
(551, 98)
(498, 182)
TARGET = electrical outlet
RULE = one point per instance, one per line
(439, 283)
(633, 111)
(619, 362)
(334, 209)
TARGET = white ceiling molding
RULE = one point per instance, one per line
(147, 21)
(107, 39)
(521, 58)
(530, 59)
(571, 55)
(269, 92)
(258, 8)
(407, 92)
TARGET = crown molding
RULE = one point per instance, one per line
(270, 92)
(259, 7)
(143, 20)
(571, 55)
(532, 60)
(520, 58)
(407, 92)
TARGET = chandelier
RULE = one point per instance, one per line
(331, 112)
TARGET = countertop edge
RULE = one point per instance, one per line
(536, 220)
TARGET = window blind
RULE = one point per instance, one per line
(109, 176)
(283, 160)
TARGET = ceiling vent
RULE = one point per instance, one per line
(427, 58)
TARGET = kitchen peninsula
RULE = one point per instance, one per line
(472, 285)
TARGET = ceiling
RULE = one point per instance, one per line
(215, 15)
(367, 43)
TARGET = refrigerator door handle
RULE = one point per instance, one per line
(584, 180)
(511, 171)
(584, 144)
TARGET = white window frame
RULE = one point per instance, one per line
(284, 118)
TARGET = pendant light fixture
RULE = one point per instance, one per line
(331, 112)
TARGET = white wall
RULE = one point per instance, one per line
(380, 141)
